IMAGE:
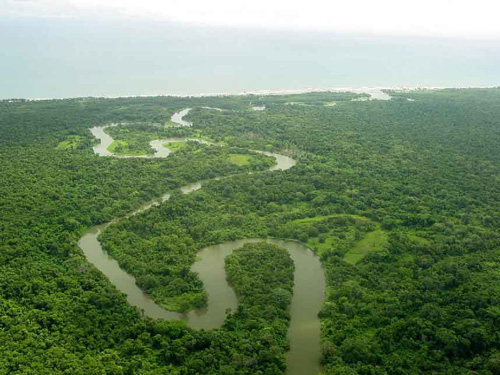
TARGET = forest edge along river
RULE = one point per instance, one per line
(304, 355)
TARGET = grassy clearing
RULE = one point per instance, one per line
(122, 148)
(344, 232)
(72, 143)
(329, 242)
(360, 219)
(373, 241)
(239, 159)
(175, 146)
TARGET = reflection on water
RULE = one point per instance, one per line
(177, 117)
(308, 295)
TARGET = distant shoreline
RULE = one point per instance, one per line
(357, 90)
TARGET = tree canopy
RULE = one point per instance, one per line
(400, 199)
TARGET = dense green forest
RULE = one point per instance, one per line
(262, 277)
(400, 199)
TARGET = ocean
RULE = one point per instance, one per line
(68, 57)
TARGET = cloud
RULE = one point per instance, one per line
(394, 17)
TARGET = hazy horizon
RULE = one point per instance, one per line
(106, 56)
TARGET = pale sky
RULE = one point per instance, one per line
(442, 18)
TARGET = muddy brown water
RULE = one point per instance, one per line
(304, 334)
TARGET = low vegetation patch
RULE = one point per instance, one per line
(240, 159)
(123, 148)
(72, 143)
(175, 146)
(373, 241)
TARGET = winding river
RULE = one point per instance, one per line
(304, 355)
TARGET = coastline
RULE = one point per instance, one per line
(333, 89)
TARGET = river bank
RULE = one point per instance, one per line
(304, 331)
